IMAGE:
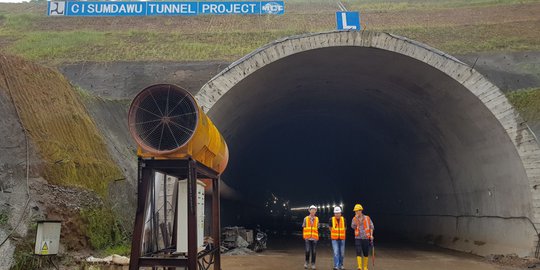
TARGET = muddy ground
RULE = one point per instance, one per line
(388, 257)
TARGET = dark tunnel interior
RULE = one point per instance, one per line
(362, 125)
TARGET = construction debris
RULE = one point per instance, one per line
(237, 237)
(514, 260)
(113, 259)
(240, 241)
(239, 252)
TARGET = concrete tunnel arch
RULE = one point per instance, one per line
(423, 138)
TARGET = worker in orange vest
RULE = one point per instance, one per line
(337, 234)
(363, 236)
(311, 236)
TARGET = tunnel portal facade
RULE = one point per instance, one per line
(433, 149)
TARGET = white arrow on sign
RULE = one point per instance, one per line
(344, 20)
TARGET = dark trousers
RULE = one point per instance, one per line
(311, 250)
(362, 247)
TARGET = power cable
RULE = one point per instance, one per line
(27, 156)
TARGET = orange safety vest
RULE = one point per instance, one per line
(367, 228)
(337, 232)
(311, 230)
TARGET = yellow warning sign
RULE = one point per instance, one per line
(44, 249)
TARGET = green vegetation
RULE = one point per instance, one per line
(58, 47)
(100, 226)
(104, 231)
(20, 21)
(3, 218)
(83, 94)
(55, 45)
(24, 257)
(400, 5)
(69, 142)
(457, 27)
(475, 38)
(527, 102)
(375, 5)
(64, 47)
(72, 150)
(123, 249)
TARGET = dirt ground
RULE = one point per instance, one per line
(388, 256)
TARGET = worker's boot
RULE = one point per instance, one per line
(359, 260)
(365, 263)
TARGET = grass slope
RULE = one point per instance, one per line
(527, 102)
(453, 26)
(66, 138)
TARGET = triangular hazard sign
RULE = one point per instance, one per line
(45, 249)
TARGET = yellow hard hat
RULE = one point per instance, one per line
(358, 207)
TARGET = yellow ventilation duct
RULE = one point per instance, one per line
(167, 123)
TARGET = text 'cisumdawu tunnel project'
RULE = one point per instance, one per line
(432, 150)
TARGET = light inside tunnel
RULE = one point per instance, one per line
(423, 155)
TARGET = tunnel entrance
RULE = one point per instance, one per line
(432, 150)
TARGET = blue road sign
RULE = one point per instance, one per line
(96, 9)
(348, 20)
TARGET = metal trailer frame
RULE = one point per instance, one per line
(182, 169)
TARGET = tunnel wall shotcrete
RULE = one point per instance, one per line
(433, 150)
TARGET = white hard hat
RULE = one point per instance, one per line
(313, 207)
(337, 209)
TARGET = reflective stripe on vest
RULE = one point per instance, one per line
(366, 226)
(337, 232)
(311, 230)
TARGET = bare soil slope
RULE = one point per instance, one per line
(70, 169)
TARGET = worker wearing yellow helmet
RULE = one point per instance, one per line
(363, 236)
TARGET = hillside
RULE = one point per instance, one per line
(70, 168)
(456, 27)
